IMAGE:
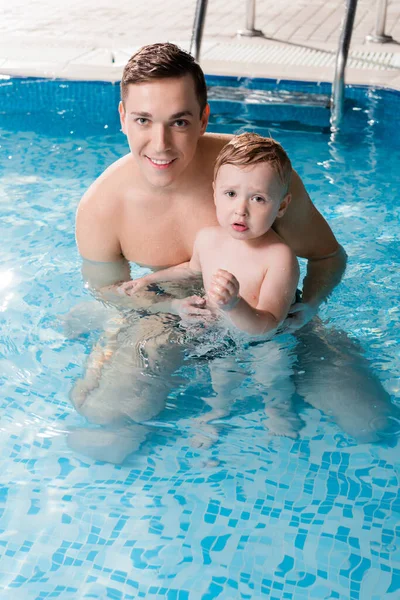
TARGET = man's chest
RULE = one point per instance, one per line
(162, 235)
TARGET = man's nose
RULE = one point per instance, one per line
(161, 139)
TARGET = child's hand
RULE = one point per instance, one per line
(129, 288)
(193, 308)
(224, 290)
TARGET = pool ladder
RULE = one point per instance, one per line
(338, 87)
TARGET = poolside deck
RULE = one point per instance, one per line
(92, 39)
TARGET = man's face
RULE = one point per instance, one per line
(248, 199)
(162, 121)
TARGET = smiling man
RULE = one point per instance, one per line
(148, 206)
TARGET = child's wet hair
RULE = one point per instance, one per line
(249, 149)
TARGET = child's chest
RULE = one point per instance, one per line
(249, 268)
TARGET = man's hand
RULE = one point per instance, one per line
(129, 288)
(299, 315)
(192, 309)
(224, 290)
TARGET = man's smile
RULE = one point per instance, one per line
(160, 163)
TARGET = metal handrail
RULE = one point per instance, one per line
(198, 26)
(337, 98)
(250, 30)
(200, 17)
(379, 34)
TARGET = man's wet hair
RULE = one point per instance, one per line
(163, 61)
(251, 149)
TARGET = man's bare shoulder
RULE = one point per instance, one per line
(106, 191)
(213, 143)
(303, 227)
(99, 214)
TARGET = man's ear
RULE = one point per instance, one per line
(122, 116)
(204, 119)
(283, 205)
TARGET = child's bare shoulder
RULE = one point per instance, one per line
(277, 250)
(208, 234)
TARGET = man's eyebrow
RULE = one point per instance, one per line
(178, 115)
(183, 113)
(141, 114)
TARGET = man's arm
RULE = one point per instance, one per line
(97, 223)
(323, 275)
(305, 230)
(103, 265)
(96, 231)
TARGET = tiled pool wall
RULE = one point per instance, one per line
(98, 100)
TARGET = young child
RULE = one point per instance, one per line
(250, 275)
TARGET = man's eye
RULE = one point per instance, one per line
(181, 123)
(141, 121)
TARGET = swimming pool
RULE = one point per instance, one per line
(252, 516)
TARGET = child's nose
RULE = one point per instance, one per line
(241, 208)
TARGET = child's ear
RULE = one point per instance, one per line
(213, 186)
(283, 206)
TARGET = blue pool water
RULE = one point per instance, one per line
(254, 515)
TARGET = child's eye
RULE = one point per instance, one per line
(258, 199)
(141, 121)
(230, 194)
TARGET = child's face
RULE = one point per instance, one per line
(249, 199)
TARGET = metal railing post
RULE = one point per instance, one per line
(198, 26)
(337, 98)
(250, 30)
(379, 34)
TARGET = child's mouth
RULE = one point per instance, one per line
(239, 227)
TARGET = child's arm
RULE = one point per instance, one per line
(187, 270)
(177, 273)
(276, 294)
(186, 308)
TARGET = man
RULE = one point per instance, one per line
(149, 205)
